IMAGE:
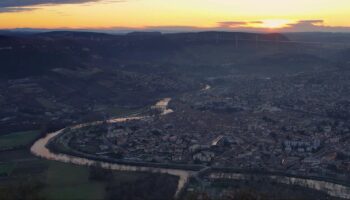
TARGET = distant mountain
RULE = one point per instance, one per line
(73, 35)
(323, 37)
(37, 53)
(142, 33)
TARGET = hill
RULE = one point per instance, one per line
(104, 74)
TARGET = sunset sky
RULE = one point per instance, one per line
(255, 15)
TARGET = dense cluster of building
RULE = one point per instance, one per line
(295, 124)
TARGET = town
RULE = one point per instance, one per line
(295, 124)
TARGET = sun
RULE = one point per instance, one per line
(274, 23)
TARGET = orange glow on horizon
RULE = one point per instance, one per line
(274, 14)
(275, 23)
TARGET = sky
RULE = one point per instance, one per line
(178, 15)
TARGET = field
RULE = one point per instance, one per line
(65, 181)
(19, 168)
(57, 180)
(6, 169)
(18, 139)
(51, 180)
(25, 176)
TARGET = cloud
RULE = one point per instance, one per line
(27, 5)
(231, 24)
(313, 26)
(16, 9)
(317, 25)
(234, 24)
(24, 3)
(316, 21)
(238, 26)
(256, 22)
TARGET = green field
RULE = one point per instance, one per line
(66, 181)
(6, 169)
(57, 180)
(17, 139)
(34, 178)
(25, 176)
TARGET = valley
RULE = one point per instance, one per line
(199, 108)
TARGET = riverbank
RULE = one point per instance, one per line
(40, 149)
(330, 188)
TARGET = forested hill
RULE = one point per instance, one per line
(35, 54)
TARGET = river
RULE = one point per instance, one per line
(332, 189)
(162, 106)
(40, 149)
